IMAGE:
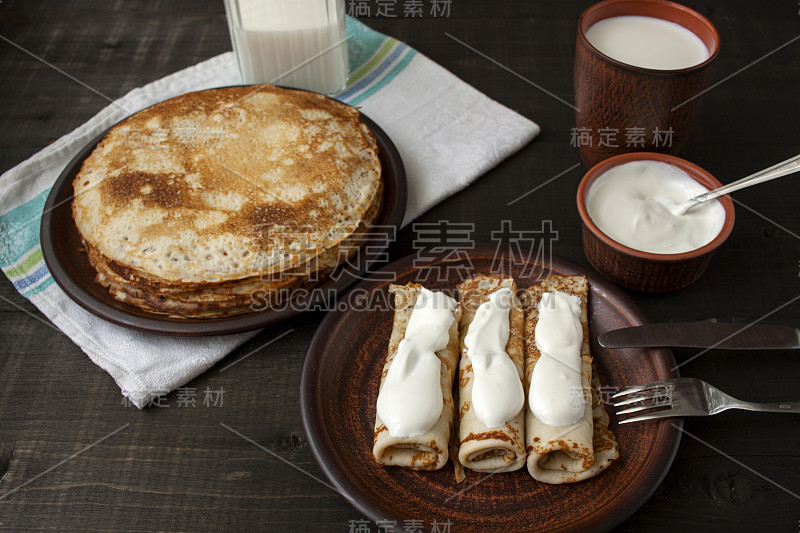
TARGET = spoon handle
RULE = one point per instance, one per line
(781, 169)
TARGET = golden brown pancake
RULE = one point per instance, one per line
(195, 202)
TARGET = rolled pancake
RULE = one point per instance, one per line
(579, 451)
(428, 451)
(484, 449)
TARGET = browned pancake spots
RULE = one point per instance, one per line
(276, 219)
(432, 444)
(170, 192)
(423, 460)
(259, 218)
(492, 452)
(514, 433)
(166, 191)
(464, 375)
(494, 434)
(464, 408)
(199, 102)
(121, 270)
(603, 444)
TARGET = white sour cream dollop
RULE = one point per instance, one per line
(556, 393)
(633, 204)
(410, 400)
(497, 393)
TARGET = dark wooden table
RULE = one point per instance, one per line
(178, 468)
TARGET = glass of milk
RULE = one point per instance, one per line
(294, 43)
(641, 67)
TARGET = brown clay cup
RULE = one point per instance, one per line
(656, 107)
(644, 271)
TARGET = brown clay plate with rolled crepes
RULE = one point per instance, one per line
(339, 388)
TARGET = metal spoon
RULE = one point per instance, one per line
(777, 171)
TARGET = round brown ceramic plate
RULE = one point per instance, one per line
(71, 270)
(339, 387)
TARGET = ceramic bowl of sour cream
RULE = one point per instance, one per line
(632, 232)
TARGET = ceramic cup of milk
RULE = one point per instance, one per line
(293, 43)
(641, 67)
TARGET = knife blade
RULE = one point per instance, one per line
(719, 335)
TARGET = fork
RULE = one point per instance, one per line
(687, 397)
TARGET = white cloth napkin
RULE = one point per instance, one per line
(447, 133)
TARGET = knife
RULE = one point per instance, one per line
(721, 335)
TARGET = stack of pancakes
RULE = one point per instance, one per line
(200, 205)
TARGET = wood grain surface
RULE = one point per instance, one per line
(245, 465)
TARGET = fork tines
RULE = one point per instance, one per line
(657, 395)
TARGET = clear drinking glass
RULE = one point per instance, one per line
(295, 43)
